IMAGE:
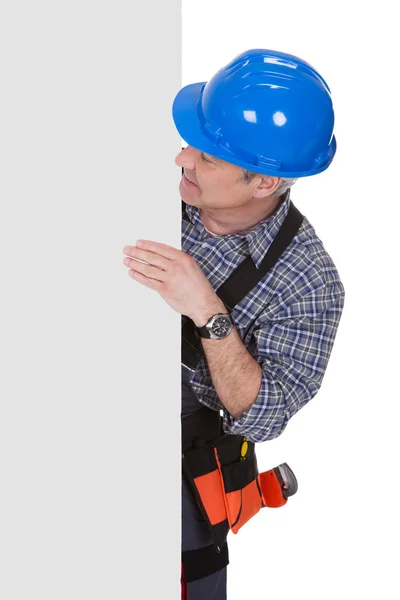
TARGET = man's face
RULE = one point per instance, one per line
(214, 183)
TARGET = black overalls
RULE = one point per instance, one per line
(204, 549)
(195, 531)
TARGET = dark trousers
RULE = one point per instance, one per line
(195, 534)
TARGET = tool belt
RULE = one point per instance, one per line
(222, 471)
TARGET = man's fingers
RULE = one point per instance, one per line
(162, 249)
(148, 270)
(147, 257)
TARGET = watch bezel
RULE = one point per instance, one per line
(210, 325)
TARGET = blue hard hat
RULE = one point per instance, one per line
(265, 111)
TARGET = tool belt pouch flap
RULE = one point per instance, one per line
(202, 472)
(240, 485)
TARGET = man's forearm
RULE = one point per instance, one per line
(236, 375)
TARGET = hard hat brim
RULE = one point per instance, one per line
(184, 112)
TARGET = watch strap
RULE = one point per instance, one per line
(203, 331)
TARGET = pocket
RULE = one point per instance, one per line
(241, 490)
(209, 489)
(202, 474)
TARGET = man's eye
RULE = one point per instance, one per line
(204, 158)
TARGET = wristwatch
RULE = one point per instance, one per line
(217, 327)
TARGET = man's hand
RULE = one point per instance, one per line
(175, 275)
(179, 280)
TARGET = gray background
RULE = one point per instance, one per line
(90, 359)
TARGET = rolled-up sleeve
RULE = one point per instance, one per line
(293, 350)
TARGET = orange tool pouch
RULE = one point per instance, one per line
(228, 487)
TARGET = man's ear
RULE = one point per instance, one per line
(266, 186)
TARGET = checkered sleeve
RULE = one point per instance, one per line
(293, 351)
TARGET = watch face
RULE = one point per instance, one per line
(221, 326)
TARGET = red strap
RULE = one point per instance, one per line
(183, 585)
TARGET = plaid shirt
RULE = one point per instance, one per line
(288, 322)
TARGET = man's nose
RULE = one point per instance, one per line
(186, 158)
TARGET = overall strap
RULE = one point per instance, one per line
(246, 276)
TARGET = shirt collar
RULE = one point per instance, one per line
(258, 238)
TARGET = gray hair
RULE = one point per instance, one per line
(285, 184)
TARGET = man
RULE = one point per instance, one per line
(259, 124)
